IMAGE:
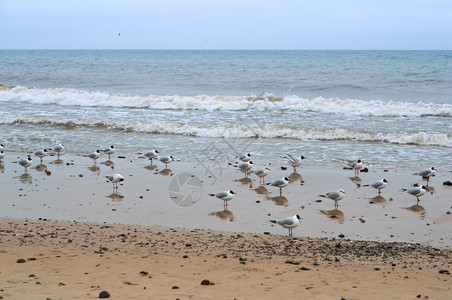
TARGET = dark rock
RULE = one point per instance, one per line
(21, 261)
(447, 182)
(104, 294)
(305, 269)
(444, 272)
(365, 169)
(185, 256)
(205, 282)
(187, 245)
(144, 273)
(341, 236)
(31, 275)
(61, 284)
(318, 201)
(266, 232)
(377, 269)
(31, 258)
(242, 259)
(418, 296)
(283, 168)
(175, 287)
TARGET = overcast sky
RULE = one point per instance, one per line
(226, 24)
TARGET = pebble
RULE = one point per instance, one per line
(21, 261)
(305, 269)
(175, 287)
(447, 183)
(104, 294)
(205, 282)
(443, 271)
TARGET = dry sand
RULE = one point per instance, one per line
(66, 260)
(77, 258)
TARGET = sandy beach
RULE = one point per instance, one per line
(78, 237)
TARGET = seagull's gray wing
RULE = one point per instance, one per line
(285, 222)
(377, 184)
(221, 195)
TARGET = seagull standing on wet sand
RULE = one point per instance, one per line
(109, 151)
(379, 185)
(166, 160)
(289, 223)
(115, 179)
(294, 161)
(245, 157)
(416, 191)
(335, 196)
(427, 173)
(58, 149)
(95, 155)
(357, 166)
(280, 183)
(40, 153)
(25, 162)
(151, 154)
(246, 166)
(261, 174)
(225, 196)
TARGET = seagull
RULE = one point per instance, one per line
(58, 148)
(2, 154)
(166, 160)
(25, 162)
(427, 173)
(246, 166)
(95, 155)
(225, 196)
(109, 151)
(294, 161)
(2, 147)
(289, 223)
(245, 157)
(40, 153)
(335, 196)
(280, 183)
(416, 191)
(379, 185)
(115, 179)
(357, 166)
(262, 173)
(151, 154)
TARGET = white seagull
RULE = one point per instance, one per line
(225, 196)
(109, 151)
(379, 185)
(245, 157)
(40, 153)
(25, 162)
(2, 147)
(289, 223)
(261, 174)
(416, 191)
(246, 166)
(357, 166)
(151, 154)
(335, 196)
(115, 179)
(294, 161)
(58, 149)
(427, 173)
(166, 160)
(280, 183)
(95, 155)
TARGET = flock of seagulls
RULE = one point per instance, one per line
(245, 166)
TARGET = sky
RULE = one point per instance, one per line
(226, 24)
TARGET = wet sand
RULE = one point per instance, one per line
(351, 252)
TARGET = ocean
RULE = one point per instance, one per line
(392, 109)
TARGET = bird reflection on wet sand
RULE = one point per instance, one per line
(40, 168)
(279, 200)
(335, 214)
(2, 168)
(26, 178)
(115, 197)
(94, 169)
(356, 180)
(57, 162)
(108, 163)
(294, 177)
(164, 172)
(417, 209)
(377, 199)
(261, 190)
(151, 167)
(245, 181)
(223, 214)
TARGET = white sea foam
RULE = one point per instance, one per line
(242, 131)
(73, 97)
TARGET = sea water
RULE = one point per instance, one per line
(392, 109)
